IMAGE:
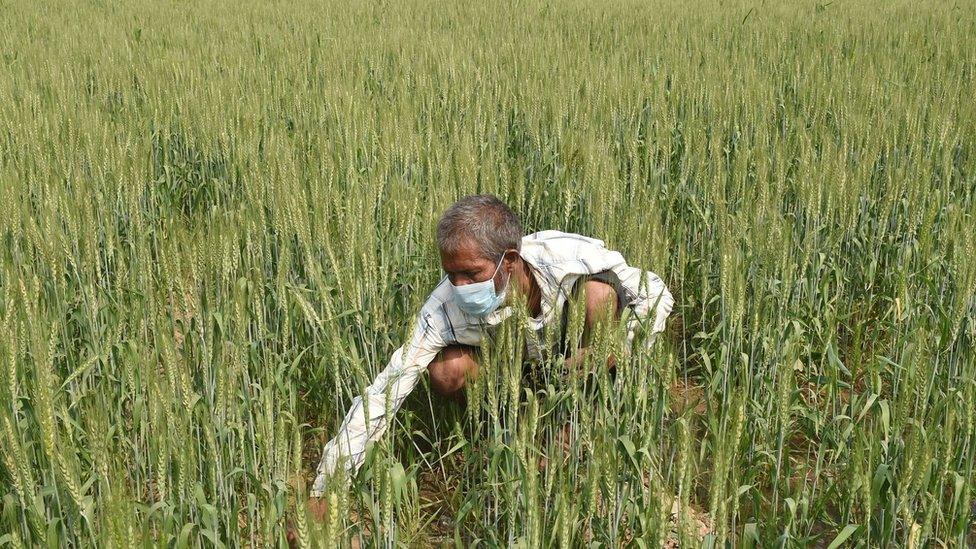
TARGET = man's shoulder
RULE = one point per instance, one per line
(441, 314)
(552, 247)
(553, 237)
(439, 298)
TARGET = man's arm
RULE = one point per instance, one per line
(601, 306)
(367, 420)
(641, 291)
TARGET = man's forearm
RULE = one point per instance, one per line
(371, 412)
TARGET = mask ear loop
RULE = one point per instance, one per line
(498, 266)
(500, 261)
(509, 280)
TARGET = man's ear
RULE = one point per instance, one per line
(511, 258)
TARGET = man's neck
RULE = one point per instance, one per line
(527, 286)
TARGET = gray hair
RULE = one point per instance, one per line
(484, 219)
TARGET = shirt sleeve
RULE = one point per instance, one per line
(648, 297)
(369, 415)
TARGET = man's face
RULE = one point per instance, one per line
(468, 265)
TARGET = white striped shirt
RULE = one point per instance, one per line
(557, 260)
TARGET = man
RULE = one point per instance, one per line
(488, 263)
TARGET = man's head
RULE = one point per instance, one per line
(479, 236)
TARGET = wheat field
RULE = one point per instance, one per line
(217, 222)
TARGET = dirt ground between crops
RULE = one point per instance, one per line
(434, 493)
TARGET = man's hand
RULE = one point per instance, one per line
(318, 509)
(575, 362)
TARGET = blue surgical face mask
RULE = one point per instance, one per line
(479, 298)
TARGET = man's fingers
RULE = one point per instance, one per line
(318, 508)
(291, 536)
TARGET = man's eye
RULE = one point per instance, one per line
(463, 277)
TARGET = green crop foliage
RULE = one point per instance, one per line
(217, 220)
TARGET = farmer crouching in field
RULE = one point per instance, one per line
(489, 263)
